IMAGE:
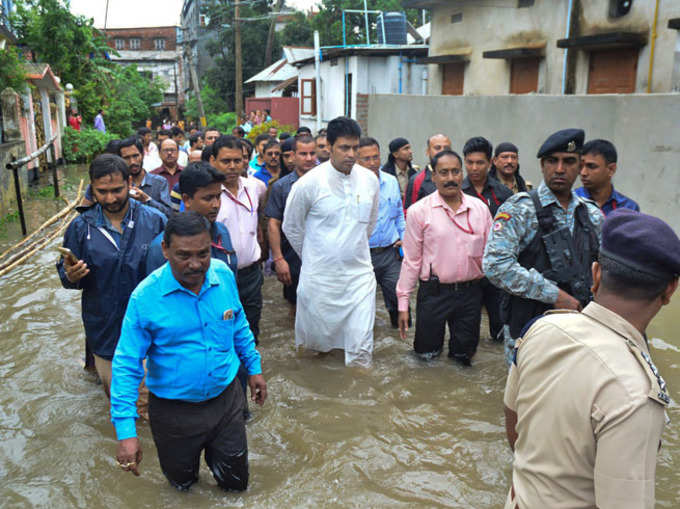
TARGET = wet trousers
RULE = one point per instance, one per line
(182, 430)
(491, 299)
(386, 266)
(459, 305)
(249, 281)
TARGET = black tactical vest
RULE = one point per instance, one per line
(563, 258)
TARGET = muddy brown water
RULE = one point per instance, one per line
(404, 434)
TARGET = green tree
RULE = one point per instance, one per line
(77, 53)
(297, 32)
(329, 20)
(11, 71)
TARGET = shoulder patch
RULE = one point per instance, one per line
(502, 215)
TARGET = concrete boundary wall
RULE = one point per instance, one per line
(644, 128)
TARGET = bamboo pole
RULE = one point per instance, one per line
(63, 212)
(40, 245)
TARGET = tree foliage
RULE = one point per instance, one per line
(82, 146)
(11, 71)
(77, 52)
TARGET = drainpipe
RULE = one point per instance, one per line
(317, 69)
(651, 53)
(401, 66)
(566, 50)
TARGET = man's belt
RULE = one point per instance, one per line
(460, 285)
(378, 250)
(249, 268)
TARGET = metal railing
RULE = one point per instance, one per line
(14, 166)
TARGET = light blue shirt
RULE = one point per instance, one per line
(390, 226)
(193, 343)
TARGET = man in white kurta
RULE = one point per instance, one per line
(329, 217)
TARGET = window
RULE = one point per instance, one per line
(135, 42)
(453, 78)
(524, 3)
(457, 18)
(524, 75)
(159, 43)
(612, 71)
(308, 96)
(120, 43)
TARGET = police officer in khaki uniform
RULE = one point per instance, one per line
(585, 405)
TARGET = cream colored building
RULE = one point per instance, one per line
(496, 47)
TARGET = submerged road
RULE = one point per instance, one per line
(404, 434)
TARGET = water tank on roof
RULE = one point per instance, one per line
(395, 28)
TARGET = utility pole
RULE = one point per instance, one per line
(270, 36)
(238, 57)
(196, 85)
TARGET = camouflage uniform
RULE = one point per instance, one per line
(514, 228)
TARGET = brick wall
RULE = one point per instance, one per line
(362, 112)
(146, 36)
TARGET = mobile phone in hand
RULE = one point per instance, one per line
(67, 253)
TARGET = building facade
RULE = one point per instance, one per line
(155, 52)
(350, 74)
(195, 36)
(481, 47)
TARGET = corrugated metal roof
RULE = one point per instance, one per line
(278, 71)
(294, 53)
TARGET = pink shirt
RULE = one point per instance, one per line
(451, 242)
(240, 215)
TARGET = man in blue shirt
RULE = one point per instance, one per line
(200, 186)
(287, 263)
(257, 163)
(271, 153)
(109, 242)
(386, 238)
(598, 166)
(187, 321)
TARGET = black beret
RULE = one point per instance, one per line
(566, 140)
(506, 146)
(641, 242)
(397, 143)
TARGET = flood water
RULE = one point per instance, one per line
(404, 434)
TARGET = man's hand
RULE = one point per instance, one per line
(139, 195)
(258, 389)
(283, 271)
(566, 301)
(397, 244)
(75, 271)
(129, 455)
(403, 324)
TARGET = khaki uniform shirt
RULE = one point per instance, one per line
(590, 408)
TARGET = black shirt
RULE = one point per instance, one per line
(275, 208)
(426, 187)
(493, 194)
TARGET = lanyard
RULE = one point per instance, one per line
(251, 209)
(453, 220)
(220, 247)
(493, 195)
(613, 204)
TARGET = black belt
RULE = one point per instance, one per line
(377, 250)
(249, 268)
(456, 286)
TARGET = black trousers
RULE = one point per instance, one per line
(181, 430)
(249, 281)
(491, 299)
(459, 305)
(386, 266)
(290, 291)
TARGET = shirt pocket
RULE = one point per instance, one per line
(365, 208)
(221, 335)
(475, 248)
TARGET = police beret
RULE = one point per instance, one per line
(566, 140)
(641, 242)
(397, 143)
(506, 146)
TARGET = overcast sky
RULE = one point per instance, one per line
(141, 13)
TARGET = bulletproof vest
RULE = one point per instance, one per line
(560, 256)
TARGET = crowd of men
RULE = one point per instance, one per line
(169, 256)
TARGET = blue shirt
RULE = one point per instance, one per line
(263, 174)
(615, 201)
(220, 248)
(193, 344)
(254, 167)
(390, 225)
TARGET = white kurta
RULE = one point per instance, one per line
(328, 220)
